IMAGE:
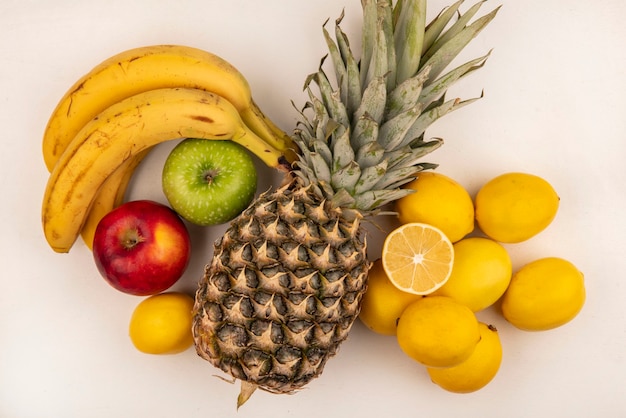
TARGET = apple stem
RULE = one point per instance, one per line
(210, 175)
(132, 238)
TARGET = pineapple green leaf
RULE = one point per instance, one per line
(321, 148)
(342, 151)
(373, 101)
(421, 148)
(386, 26)
(306, 127)
(406, 94)
(370, 154)
(342, 199)
(341, 73)
(445, 53)
(400, 157)
(437, 25)
(353, 82)
(368, 35)
(303, 123)
(406, 174)
(346, 177)
(332, 128)
(457, 27)
(436, 103)
(303, 136)
(396, 12)
(321, 125)
(407, 156)
(409, 38)
(378, 66)
(320, 167)
(437, 88)
(365, 131)
(336, 109)
(342, 39)
(392, 133)
(429, 117)
(398, 177)
(321, 114)
(304, 171)
(374, 199)
(307, 82)
(370, 176)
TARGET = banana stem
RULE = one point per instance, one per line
(263, 127)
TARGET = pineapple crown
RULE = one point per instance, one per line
(365, 138)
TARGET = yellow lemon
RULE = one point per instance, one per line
(544, 294)
(417, 258)
(383, 302)
(437, 331)
(161, 324)
(514, 207)
(478, 370)
(480, 274)
(440, 201)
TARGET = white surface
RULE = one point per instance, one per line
(553, 106)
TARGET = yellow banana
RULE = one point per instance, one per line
(148, 68)
(110, 196)
(138, 70)
(126, 129)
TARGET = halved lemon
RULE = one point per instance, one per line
(417, 258)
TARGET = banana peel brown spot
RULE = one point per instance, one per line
(204, 119)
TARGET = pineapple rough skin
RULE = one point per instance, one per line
(282, 291)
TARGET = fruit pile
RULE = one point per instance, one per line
(289, 276)
(437, 271)
(102, 129)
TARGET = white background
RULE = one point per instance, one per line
(553, 106)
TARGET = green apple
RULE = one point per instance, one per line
(209, 182)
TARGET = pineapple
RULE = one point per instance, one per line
(285, 282)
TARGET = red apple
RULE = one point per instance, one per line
(141, 247)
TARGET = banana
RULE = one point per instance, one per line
(110, 196)
(139, 70)
(148, 68)
(126, 129)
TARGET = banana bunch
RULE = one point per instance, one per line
(109, 120)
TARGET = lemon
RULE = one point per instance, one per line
(480, 274)
(514, 207)
(417, 258)
(544, 294)
(437, 331)
(161, 324)
(478, 370)
(383, 303)
(439, 201)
